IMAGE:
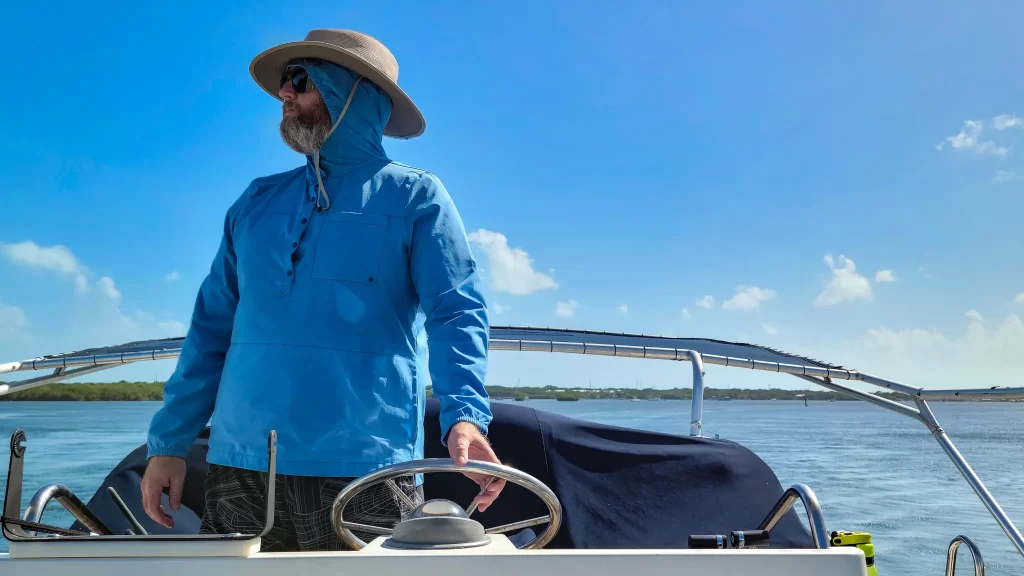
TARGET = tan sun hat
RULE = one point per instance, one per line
(355, 51)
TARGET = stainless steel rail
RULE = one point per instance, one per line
(91, 360)
(979, 562)
(972, 479)
(697, 404)
(871, 398)
(815, 517)
(59, 375)
(66, 498)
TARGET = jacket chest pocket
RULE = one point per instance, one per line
(349, 247)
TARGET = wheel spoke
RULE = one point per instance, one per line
(400, 495)
(356, 527)
(518, 525)
(472, 507)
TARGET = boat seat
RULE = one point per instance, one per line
(618, 487)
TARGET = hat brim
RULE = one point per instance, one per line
(405, 121)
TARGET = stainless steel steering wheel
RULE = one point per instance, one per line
(343, 528)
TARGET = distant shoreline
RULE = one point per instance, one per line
(153, 392)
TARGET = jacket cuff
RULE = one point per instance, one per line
(448, 429)
(161, 450)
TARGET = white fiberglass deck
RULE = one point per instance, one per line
(499, 559)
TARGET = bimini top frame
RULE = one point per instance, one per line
(697, 351)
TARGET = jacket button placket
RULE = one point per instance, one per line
(289, 279)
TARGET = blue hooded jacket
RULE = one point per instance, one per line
(309, 321)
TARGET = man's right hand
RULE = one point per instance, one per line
(163, 472)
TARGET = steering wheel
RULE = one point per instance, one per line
(387, 473)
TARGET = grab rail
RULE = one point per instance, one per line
(66, 498)
(979, 562)
(815, 517)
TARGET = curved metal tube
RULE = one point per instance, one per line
(815, 517)
(446, 465)
(66, 498)
(972, 478)
(697, 404)
(59, 375)
(979, 562)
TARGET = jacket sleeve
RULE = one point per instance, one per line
(445, 277)
(190, 393)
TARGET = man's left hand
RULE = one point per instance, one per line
(465, 442)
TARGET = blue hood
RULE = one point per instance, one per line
(358, 139)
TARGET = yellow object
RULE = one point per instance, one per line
(861, 540)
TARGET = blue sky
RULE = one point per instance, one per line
(841, 181)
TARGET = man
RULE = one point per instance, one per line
(309, 319)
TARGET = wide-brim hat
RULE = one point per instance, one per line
(359, 53)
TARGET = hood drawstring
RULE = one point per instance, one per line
(316, 155)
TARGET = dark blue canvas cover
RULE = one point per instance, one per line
(618, 487)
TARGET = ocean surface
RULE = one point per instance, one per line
(872, 470)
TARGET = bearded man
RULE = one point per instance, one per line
(309, 320)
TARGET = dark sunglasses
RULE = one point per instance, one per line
(299, 78)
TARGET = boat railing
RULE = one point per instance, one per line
(815, 517)
(67, 499)
(979, 562)
(526, 339)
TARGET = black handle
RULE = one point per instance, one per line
(698, 541)
(748, 538)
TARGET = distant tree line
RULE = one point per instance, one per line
(86, 392)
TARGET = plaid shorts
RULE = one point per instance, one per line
(235, 502)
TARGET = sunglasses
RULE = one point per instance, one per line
(299, 79)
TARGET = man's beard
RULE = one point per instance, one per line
(307, 132)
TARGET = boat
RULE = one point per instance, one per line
(610, 499)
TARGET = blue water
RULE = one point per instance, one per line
(873, 470)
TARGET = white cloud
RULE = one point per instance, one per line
(566, 309)
(1003, 176)
(846, 284)
(706, 302)
(1020, 298)
(172, 276)
(1004, 121)
(623, 309)
(106, 287)
(985, 354)
(885, 276)
(991, 148)
(969, 135)
(498, 308)
(769, 329)
(94, 318)
(53, 258)
(511, 269)
(974, 316)
(13, 323)
(687, 315)
(172, 328)
(748, 298)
